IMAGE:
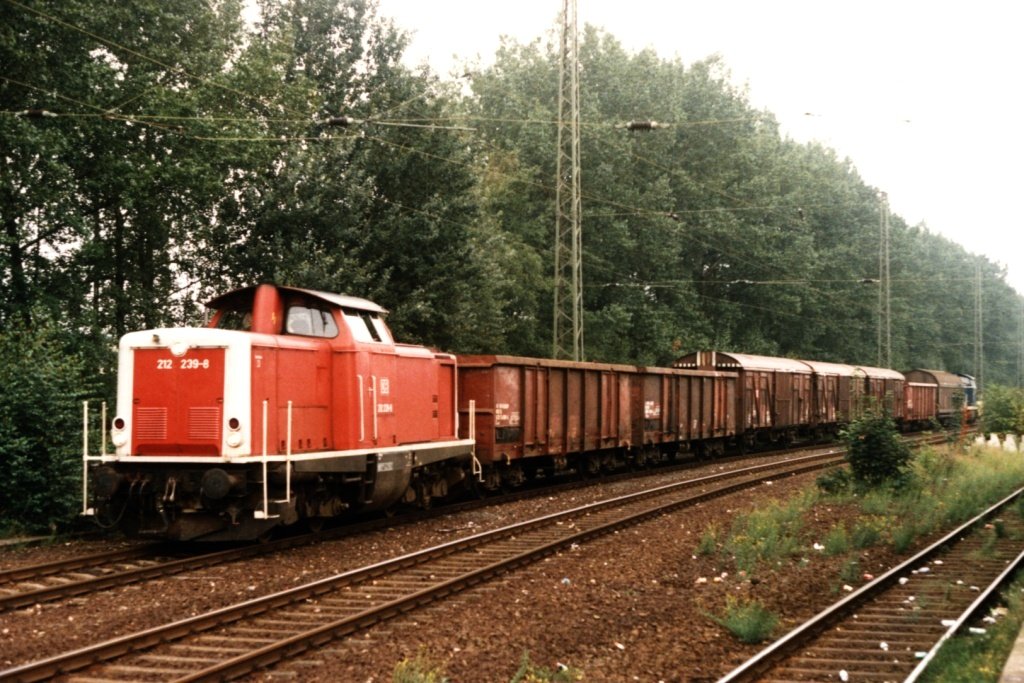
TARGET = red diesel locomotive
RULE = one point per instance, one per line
(292, 404)
(297, 405)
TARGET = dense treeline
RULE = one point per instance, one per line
(155, 153)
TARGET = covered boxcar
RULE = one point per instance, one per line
(879, 387)
(950, 396)
(832, 388)
(774, 394)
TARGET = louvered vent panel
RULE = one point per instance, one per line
(151, 424)
(204, 423)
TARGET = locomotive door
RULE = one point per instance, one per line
(382, 386)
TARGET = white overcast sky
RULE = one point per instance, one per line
(924, 97)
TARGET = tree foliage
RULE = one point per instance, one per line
(156, 153)
(1004, 410)
(40, 428)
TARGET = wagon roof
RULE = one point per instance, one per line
(340, 300)
(722, 360)
(488, 360)
(825, 368)
(940, 377)
(880, 373)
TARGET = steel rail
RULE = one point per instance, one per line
(10, 600)
(44, 569)
(798, 639)
(588, 516)
(162, 568)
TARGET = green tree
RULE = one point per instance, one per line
(40, 427)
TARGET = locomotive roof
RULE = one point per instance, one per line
(246, 293)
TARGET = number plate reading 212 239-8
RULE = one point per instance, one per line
(183, 364)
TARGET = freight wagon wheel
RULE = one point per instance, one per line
(591, 467)
(315, 524)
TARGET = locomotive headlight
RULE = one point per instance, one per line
(118, 434)
(234, 439)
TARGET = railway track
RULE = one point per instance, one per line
(236, 640)
(890, 629)
(24, 586)
(47, 582)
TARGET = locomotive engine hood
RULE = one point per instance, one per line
(174, 398)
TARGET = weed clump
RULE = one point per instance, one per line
(529, 672)
(419, 669)
(748, 620)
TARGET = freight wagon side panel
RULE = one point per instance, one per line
(652, 407)
(681, 406)
(609, 389)
(724, 420)
(784, 392)
(557, 427)
(591, 410)
(535, 407)
(920, 401)
(804, 399)
(625, 404)
(478, 384)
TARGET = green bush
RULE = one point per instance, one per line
(40, 430)
(876, 454)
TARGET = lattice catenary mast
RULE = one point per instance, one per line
(568, 304)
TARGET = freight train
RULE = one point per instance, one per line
(297, 406)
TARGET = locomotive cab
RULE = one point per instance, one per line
(291, 404)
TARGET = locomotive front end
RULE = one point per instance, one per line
(183, 418)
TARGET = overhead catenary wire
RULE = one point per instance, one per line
(156, 122)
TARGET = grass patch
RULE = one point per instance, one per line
(769, 534)
(708, 541)
(837, 542)
(531, 673)
(969, 658)
(867, 532)
(749, 620)
(419, 669)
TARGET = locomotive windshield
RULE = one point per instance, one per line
(310, 321)
(367, 326)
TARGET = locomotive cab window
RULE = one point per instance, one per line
(308, 321)
(234, 319)
(367, 327)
